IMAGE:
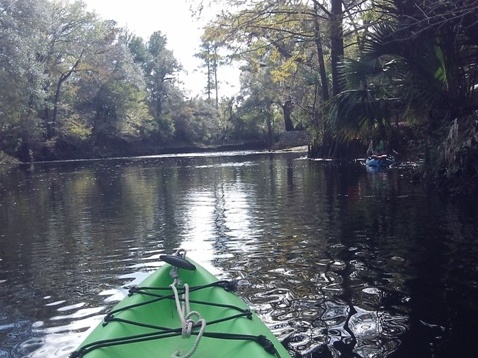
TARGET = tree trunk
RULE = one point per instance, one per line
(215, 77)
(270, 134)
(337, 44)
(51, 122)
(287, 109)
(320, 55)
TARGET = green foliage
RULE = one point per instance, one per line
(21, 75)
(407, 70)
(72, 78)
(458, 158)
(273, 41)
(159, 68)
(119, 111)
(75, 130)
(256, 119)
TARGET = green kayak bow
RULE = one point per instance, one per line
(181, 311)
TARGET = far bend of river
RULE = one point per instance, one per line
(338, 262)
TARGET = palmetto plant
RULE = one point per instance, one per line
(391, 81)
(410, 69)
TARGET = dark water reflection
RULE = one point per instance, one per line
(337, 261)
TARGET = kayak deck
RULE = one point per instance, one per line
(148, 323)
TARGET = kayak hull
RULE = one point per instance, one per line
(371, 162)
(378, 164)
(147, 323)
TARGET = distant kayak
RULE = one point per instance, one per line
(181, 310)
(379, 162)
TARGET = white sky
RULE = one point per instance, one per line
(173, 19)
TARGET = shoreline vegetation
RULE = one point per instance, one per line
(290, 147)
(294, 141)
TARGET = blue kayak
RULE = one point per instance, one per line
(379, 163)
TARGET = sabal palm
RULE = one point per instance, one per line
(404, 75)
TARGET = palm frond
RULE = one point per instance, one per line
(355, 113)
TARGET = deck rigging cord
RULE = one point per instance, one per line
(186, 315)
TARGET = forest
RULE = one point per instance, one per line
(352, 73)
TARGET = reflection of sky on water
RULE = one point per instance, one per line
(197, 230)
(215, 218)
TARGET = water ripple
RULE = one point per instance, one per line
(335, 261)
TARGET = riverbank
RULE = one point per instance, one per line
(295, 141)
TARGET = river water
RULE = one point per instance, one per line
(338, 262)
